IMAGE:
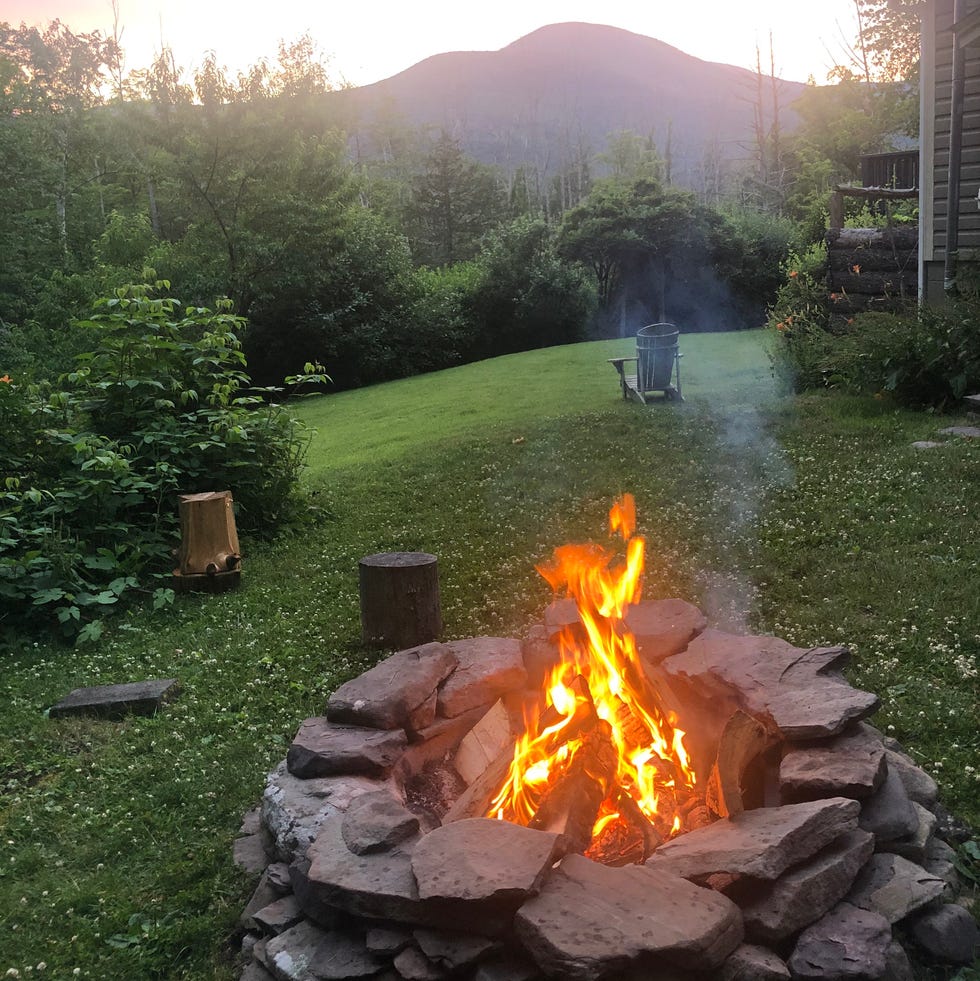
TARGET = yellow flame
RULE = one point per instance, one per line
(602, 588)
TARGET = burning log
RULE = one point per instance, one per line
(571, 806)
(742, 741)
(476, 799)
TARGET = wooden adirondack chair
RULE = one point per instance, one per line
(657, 361)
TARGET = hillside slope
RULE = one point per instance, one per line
(566, 87)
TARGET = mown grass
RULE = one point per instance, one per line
(811, 518)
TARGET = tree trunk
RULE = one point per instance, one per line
(399, 599)
(209, 556)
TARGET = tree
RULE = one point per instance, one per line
(888, 41)
(455, 200)
(526, 296)
(647, 246)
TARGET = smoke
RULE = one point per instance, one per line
(748, 463)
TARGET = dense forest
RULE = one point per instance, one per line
(410, 258)
(176, 250)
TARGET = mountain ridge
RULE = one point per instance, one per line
(565, 87)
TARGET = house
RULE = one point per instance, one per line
(949, 206)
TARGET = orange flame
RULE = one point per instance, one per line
(650, 748)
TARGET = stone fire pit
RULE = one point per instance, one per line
(827, 864)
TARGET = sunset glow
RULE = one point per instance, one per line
(369, 41)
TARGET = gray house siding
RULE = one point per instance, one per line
(937, 70)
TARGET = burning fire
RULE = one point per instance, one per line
(602, 732)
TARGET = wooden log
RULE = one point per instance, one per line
(652, 839)
(572, 805)
(209, 548)
(399, 599)
(475, 801)
(898, 236)
(874, 283)
(493, 735)
(872, 260)
(742, 740)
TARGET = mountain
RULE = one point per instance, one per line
(565, 88)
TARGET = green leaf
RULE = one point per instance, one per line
(48, 596)
(90, 633)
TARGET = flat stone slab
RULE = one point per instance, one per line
(847, 943)
(849, 765)
(800, 690)
(665, 627)
(751, 963)
(804, 893)
(115, 701)
(484, 861)
(762, 843)
(559, 615)
(278, 916)
(377, 822)
(379, 885)
(487, 667)
(591, 921)
(305, 952)
(412, 965)
(249, 853)
(451, 950)
(293, 809)
(508, 968)
(323, 749)
(926, 444)
(966, 432)
(398, 693)
(893, 887)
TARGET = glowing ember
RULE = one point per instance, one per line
(601, 679)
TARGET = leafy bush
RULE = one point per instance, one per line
(927, 357)
(526, 296)
(158, 407)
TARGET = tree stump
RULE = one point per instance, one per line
(209, 557)
(399, 599)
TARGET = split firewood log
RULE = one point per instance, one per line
(571, 806)
(742, 740)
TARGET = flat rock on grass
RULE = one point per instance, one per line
(665, 627)
(322, 749)
(849, 765)
(800, 690)
(804, 893)
(483, 860)
(591, 921)
(398, 693)
(847, 943)
(762, 843)
(487, 667)
(115, 701)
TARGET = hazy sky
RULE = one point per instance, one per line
(371, 39)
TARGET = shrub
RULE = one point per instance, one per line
(159, 406)
(926, 357)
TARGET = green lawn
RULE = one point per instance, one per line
(812, 518)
